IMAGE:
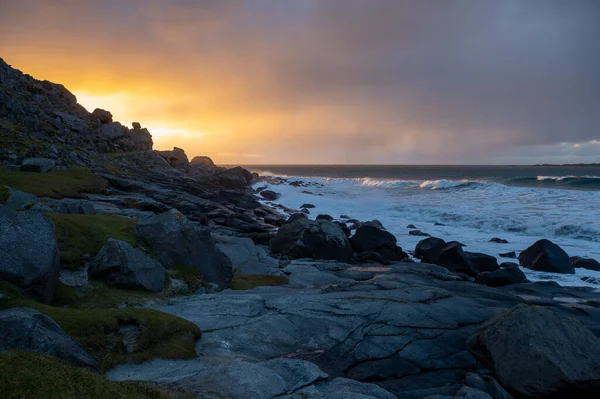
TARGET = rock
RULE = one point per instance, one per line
(368, 238)
(127, 267)
(438, 224)
(509, 264)
(546, 256)
(324, 217)
(176, 157)
(502, 277)
(237, 177)
(104, 117)
(590, 280)
(374, 223)
(471, 393)
(411, 226)
(308, 206)
(486, 384)
(428, 250)
(111, 131)
(275, 220)
(418, 233)
(269, 195)
(318, 239)
(511, 255)
(296, 216)
(344, 227)
(481, 262)
(536, 352)
(370, 256)
(454, 258)
(586, 263)
(295, 373)
(203, 160)
(29, 252)
(136, 126)
(29, 330)
(498, 240)
(39, 165)
(174, 240)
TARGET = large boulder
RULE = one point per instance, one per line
(39, 165)
(127, 267)
(316, 239)
(536, 352)
(502, 277)
(102, 116)
(585, 263)
(175, 240)
(369, 238)
(176, 157)
(29, 252)
(237, 177)
(205, 161)
(453, 258)
(269, 195)
(29, 330)
(428, 250)
(481, 262)
(545, 256)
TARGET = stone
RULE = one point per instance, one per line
(308, 206)
(511, 255)
(304, 238)
(509, 264)
(418, 233)
(324, 217)
(585, 263)
(371, 256)
(39, 165)
(536, 352)
(269, 195)
(502, 277)
(296, 216)
(428, 250)
(237, 177)
(369, 238)
(344, 227)
(411, 226)
(545, 256)
(175, 240)
(486, 384)
(176, 157)
(203, 160)
(471, 393)
(29, 330)
(111, 131)
(136, 126)
(498, 240)
(481, 262)
(454, 258)
(124, 266)
(104, 117)
(29, 252)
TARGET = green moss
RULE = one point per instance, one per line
(161, 334)
(190, 275)
(81, 234)
(4, 194)
(247, 282)
(25, 375)
(98, 295)
(69, 183)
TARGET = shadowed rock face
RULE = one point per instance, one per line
(28, 252)
(536, 352)
(29, 330)
(545, 256)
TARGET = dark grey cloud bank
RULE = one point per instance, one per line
(382, 81)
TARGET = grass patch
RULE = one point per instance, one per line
(25, 375)
(4, 194)
(190, 275)
(97, 330)
(99, 295)
(247, 282)
(81, 234)
(69, 183)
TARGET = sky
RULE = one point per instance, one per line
(329, 81)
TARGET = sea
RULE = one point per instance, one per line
(470, 204)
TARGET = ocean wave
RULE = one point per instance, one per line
(569, 181)
(370, 182)
(444, 184)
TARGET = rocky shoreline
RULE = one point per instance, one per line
(146, 266)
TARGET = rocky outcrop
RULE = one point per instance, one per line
(319, 239)
(203, 160)
(545, 256)
(29, 330)
(176, 157)
(269, 195)
(369, 238)
(502, 277)
(585, 263)
(20, 200)
(428, 250)
(124, 266)
(237, 177)
(28, 252)
(175, 240)
(535, 352)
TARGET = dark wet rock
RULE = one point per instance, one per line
(39, 165)
(296, 216)
(124, 266)
(307, 206)
(438, 224)
(304, 238)
(176, 157)
(269, 195)
(452, 257)
(371, 256)
(344, 217)
(509, 264)
(344, 227)
(29, 330)
(486, 384)
(237, 177)
(368, 238)
(498, 240)
(373, 223)
(324, 217)
(418, 233)
(536, 352)
(511, 255)
(471, 393)
(481, 262)
(261, 238)
(174, 240)
(586, 263)
(246, 257)
(428, 250)
(591, 280)
(501, 277)
(545, 256)
(275, 220)
(29, 252)
(411, 226)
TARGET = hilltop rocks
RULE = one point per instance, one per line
(29, 330)
(536, 352)
(102, 116)
(28, 252)
(176, 157)
(175, 240)
(502, 277)
(546, 256)
(205, 161)
(237, 177)
(586, 263)
(369, 238)
(318, 239)
(127, 267)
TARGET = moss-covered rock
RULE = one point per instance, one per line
(25, 375)
(86, 234)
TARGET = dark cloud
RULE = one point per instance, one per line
(391, 81)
